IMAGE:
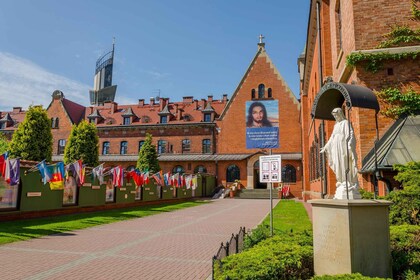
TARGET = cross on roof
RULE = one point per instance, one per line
(261, 38)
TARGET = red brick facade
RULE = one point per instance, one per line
(344, 27)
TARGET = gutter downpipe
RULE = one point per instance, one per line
(321, 78)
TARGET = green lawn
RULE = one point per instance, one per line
(27, 229)
(289, 215)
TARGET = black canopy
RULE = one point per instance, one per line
(332, 95)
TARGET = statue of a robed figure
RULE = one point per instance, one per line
(342, 158)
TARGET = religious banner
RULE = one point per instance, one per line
(262, 124)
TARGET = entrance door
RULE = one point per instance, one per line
(257, 184)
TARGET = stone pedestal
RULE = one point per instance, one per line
(351, 236)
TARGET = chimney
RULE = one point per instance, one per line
(17, 109)
(152, 101)
(187, 99)
(162, 103)
(195, 104)
(204, 103)
(210, 98)
(224, 99)
(114, 107)
(141, 102)
(176, 108)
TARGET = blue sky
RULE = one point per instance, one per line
(178, 48)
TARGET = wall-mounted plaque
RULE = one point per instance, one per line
(96, 187)
(33, 194)
(87, 184)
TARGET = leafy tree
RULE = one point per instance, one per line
(83, 144)
(148, 156)
(4, 143)
(33, 139)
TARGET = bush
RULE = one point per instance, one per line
(405, 251)
(366, 194)
(287, 256)
(355, 276)
(405, 207)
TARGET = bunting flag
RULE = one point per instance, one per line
(158, 178)
(98, 172)
(168, 179)
(137, 177)
(175, 180)
(183, 183)
(188, 181)
(57, 176)
(194, 182)
(3, 158)
(12, 171)
(146, 178)
(45, 173)
(117, 176)
(80, 172)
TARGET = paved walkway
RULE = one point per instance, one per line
(174, 245)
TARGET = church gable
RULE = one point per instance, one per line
(261, 82)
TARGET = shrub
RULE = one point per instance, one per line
(287, 256)
(355, 276)
(405, 207)
(405, 251)
(366, 194)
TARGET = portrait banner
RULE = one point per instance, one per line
(262, 124)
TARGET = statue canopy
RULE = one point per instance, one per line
(333, 95)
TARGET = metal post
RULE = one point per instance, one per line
(271, 204)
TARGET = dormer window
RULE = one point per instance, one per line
(163, 119)
(2, 125)
(207, 117)
(126, 120)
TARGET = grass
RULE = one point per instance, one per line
(289, 215)
(26, 229)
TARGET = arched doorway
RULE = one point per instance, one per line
(257, 184)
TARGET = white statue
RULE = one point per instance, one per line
(337, 150)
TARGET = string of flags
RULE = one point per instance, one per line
(56, 174)
(10, 169)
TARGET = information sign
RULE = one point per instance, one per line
(270, 169)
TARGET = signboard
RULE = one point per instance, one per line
(270, 169)
(262, 124)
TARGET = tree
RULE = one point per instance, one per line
(148, 156)
(4, 144)
(83, 144)
(33, 139)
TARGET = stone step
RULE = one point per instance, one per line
(256, 194)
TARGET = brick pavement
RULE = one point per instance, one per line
(174, 245)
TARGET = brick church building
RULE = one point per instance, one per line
(338, 30)
(206, 135)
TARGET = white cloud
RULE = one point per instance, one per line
(23, 83)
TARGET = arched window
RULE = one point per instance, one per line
(261, 91)
(130, 168)
(105, 148)
(186, 145)
(206, 146)
(288, 174)
(270, 93)
(178, 169)
(253, 93)
(232, 173)
(200, 169)
(123, 147)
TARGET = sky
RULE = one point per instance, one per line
(163, 48)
